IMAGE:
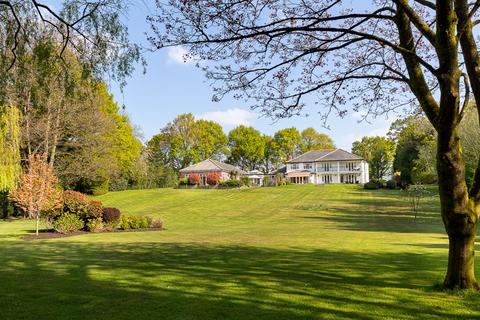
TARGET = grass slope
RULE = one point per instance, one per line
(294, 252)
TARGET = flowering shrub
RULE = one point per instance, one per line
(214, 178)
(194, 179)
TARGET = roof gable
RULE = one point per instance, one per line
(211, 165)
(325, 155)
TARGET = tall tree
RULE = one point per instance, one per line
(289, 143)
(378, 152)
(386, 54)
(271, 156)
(186, 140)
(247, 147)
(9, 148)
(94, 30)
(312, 140)
(411, 135)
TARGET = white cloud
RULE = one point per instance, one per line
(231, 117)
(179, 55)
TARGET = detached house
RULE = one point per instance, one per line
(207, 166)
(327, 166)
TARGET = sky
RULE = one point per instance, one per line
(171, 87)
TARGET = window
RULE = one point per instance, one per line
(327, 166)
(307, 166)
(294, 166)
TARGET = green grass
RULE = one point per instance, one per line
(294, 252)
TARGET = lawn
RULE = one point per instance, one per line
(293, 252)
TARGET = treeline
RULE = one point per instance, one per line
(56, 107)
(409, 150)
(187, 140)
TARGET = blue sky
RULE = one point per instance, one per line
(171, 87)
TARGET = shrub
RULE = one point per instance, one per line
(142, 222)
(231, 184)
(245, 181)
(194, 179)
(124, 223)
(95, 209)
(214, 178)
(78, 204)
(101, 188)
(68, 223)
(391, 184)
(111, 215)
(183, 182)
(372, 185)
(95, 225)
(155, 223)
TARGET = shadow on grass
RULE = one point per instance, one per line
(387, 211)
(64, 280)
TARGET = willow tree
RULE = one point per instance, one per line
(9, 148)
(9, 153)
(389, 53)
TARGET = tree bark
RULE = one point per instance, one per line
(458, 213)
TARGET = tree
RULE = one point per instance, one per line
(271, 157)
(387, 54)
(39, 190)
(411, 135)
(312, 140)
(9, 154)
(9, 148)
(94, 30)
(247, 147)
(288, 143)
(378, 152)
(424, 164)
(211, 142)
(187, 140)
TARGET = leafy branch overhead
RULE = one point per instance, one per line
(92, 29)
(368, 56)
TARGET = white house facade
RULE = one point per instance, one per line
(326, 167)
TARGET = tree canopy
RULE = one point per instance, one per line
(386, 55)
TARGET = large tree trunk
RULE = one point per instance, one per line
(458, 214)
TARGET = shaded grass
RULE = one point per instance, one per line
(294, 252)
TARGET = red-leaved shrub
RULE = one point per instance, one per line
(111, 215)
(214, 178)
(194, 179)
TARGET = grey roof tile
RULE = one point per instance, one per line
(325, 155)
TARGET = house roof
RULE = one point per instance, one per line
(255, 172)
(212, 165)
(279, 170)
(325, 155)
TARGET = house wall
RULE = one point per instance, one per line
(334, 171)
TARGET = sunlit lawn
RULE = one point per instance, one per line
(295, 252)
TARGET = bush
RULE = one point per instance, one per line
(68, 223)
(183, 182)
(214, 178)
(231, 184)
(155, 223)
(245, 181)
(391, 184)
(80, 205)
(142, 222)
(111, 215)
(124, 223)
(95, 225)
(134, 222)
(372, 185)
(101, 188)
(194, 179)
